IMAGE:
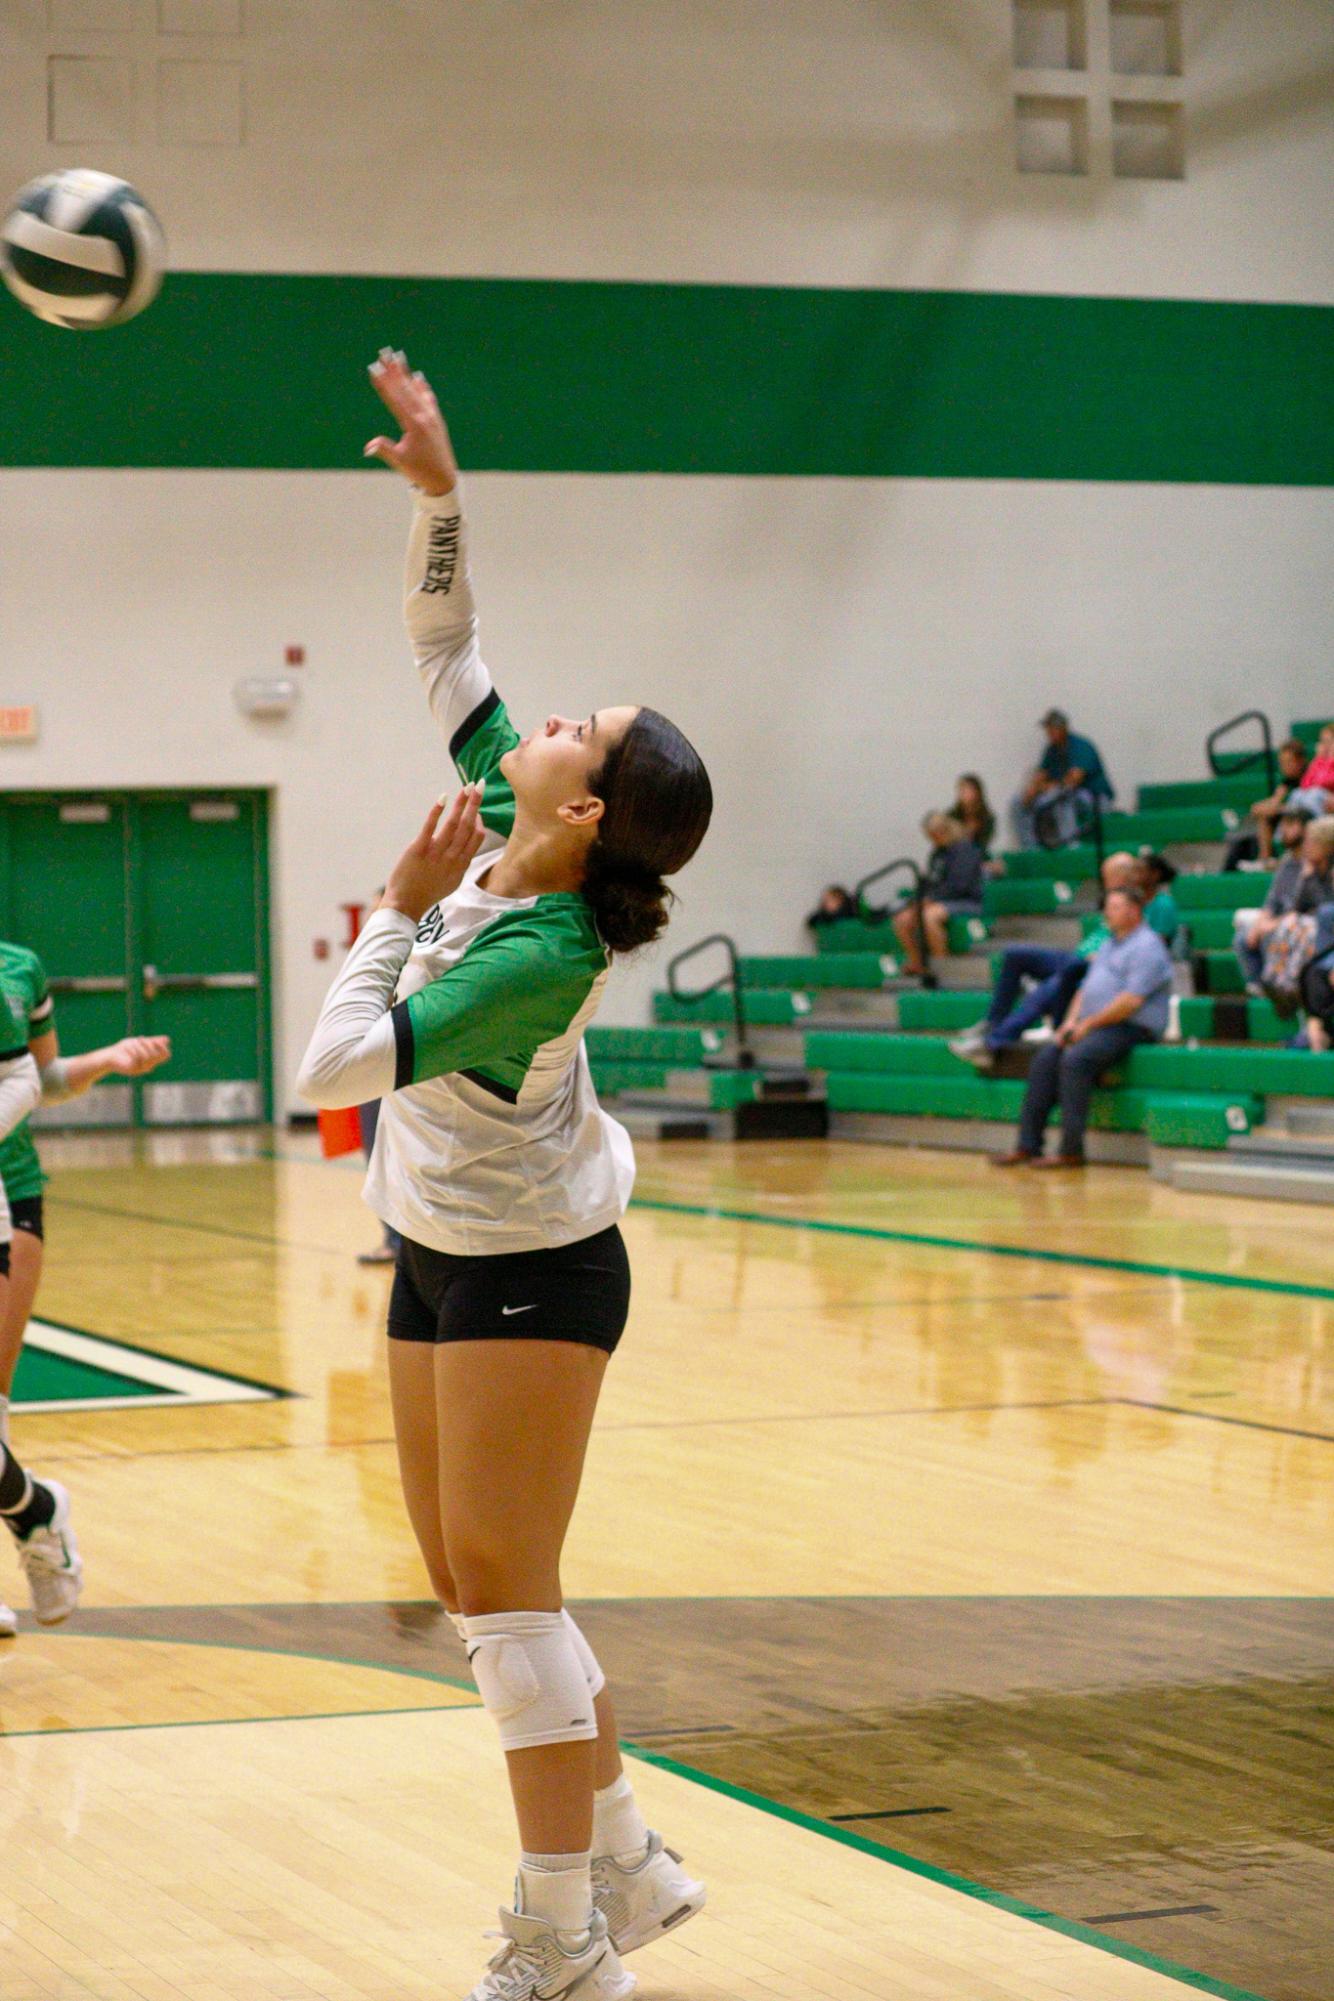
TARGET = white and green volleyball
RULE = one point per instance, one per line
(82, 249)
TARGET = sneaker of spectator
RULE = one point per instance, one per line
(1070, 774)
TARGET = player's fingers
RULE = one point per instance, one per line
(431, 821)
(391, 381)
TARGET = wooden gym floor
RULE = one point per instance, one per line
(961, 1547)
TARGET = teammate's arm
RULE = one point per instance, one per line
(63, 1077)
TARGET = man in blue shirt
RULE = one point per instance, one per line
(1069, 777)
(1124, 1000)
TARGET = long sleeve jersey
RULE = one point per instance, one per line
(470, 1025)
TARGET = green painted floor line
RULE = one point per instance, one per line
(1203, 1983)
(1288, 1288)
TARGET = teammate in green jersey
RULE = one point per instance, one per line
(463, 1006)
(27, 1016)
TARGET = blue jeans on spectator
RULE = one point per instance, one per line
(1067, 1076)
(1058, 976)
(1251, 958)
(1024, 815)
(369, 1115)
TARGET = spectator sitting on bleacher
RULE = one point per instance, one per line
(952, 887)
(1294, 886)
(972, 809)
(1255, 843)
(1056, 976)
(1318, 985)
(1069, 775)
(1124, 1000)
(1290, 942)
(836, 905)
(1316, 791)
(1160, 909)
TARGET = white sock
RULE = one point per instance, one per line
(557, 1889)
(460, 1625)
(618, 1825)
(4, 1420)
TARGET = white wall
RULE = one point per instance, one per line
(838, 649)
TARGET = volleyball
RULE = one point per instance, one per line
(82, 249)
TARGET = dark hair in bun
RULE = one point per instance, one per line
(658, 803)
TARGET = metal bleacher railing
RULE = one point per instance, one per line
(1052, 826)
(902, 864)
(1232, 761)
(731, 975)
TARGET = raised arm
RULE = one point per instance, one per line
(438, 606)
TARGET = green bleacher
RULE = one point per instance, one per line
(1176, 1094)
(1196, 1092)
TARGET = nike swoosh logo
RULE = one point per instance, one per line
(507, 1310)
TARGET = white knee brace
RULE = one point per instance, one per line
(588, 1660)
(530, 1677)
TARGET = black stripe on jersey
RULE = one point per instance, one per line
(43, 1012)
(490, 1084)
(470, 725)
(11, 1055)
(405, 1051)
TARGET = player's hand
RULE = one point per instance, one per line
(433, 866)
(1067, 1033)
(135, 1055)
(423, 454)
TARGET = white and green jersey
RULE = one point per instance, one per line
(470, 1025)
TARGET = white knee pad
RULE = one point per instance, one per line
(530, 1677)
(588, 1660)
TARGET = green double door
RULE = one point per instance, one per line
(149, 911)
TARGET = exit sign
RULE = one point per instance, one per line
(18, 725)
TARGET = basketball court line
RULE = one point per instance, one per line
(173, 1384)
(1088, 1261)
(827, 1830)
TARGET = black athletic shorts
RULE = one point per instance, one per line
(26, 1214)
(578, 1292)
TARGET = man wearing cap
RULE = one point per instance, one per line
(1070, 775)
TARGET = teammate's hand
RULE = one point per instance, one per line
(134, 1055)
(433, 866)
(423, 454)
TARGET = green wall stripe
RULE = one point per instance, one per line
(229, 369)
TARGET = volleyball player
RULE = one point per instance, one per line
(27, 1013)
(463, 1006)
(35, 1511)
